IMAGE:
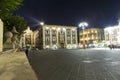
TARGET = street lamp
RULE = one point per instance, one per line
(83, 25)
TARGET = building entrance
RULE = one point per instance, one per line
(62, 45)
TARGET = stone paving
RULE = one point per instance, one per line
(76, 64)
(15, 66)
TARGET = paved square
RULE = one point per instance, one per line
(77, 64)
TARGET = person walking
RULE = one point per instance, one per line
(27, 49)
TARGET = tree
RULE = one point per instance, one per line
(8, 6)
(16, 21)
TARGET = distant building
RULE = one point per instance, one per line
(112, 35)
(91, 36)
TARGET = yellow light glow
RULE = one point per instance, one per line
(58, 29)
(81, 39)
(95, 31)
(64, 29)
(47, 27)
(54, 28)
(73, 29)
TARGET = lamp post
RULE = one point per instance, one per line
(83, 25)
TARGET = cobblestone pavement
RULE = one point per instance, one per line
(77, 64)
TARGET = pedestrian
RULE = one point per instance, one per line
(113, 46)
(110, 46)
(27, 49)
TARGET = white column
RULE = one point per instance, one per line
(76, 36)
(43, 37)
(57, 38)
(71, 37)
(65, 38)
(50, 37)
(1, 35)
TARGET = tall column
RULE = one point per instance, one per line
(50, 37)
(65, 38)
(43, 37)
(57, 37)
(76, 37)
(71, 37)
(1, 35)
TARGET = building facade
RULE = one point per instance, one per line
(112, 35)
(27, 38)
(91, 36)
(55, 36)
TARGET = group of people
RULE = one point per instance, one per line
(111, 46)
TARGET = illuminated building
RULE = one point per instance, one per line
(27, 38)
(112, 35)
(55, 36)
(91, 36)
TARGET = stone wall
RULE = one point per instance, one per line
(1, 35)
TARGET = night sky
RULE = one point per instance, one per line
(98, 13)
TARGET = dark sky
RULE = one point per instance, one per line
(98, 13)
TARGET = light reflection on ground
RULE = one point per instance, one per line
(87, 61)
(115, 63)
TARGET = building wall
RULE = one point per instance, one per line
(91, 35)
(55, 36)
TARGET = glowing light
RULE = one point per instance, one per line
(47, 46)
(95, 31)
(54, 28)
(41, 23)
(58, 29)
(73, 29)
(83, 25)
(64, 29)
(47, 27)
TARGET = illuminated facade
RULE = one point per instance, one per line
(91, 36)
(55, 36)
(112, 35)
(27, 38)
